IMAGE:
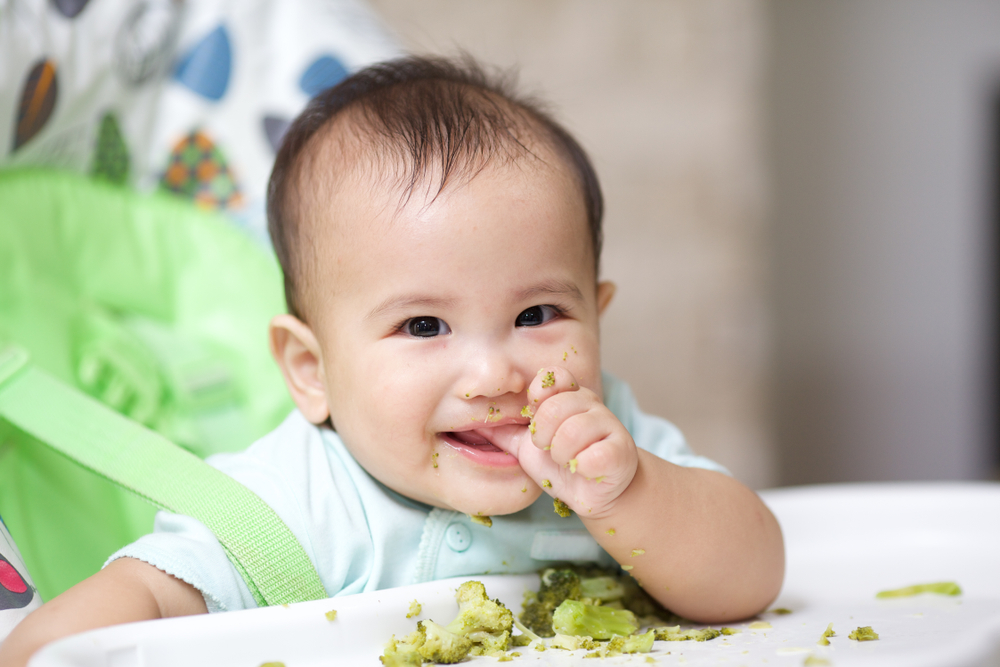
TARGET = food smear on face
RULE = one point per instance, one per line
(637, 552)
(565, 356)
(628, 567)
(863, 634)
(434, 459)
(481, 519)
(561, 508)
(493, 415)
(610, 531)
(939, 588)
(526, 412)
(549, 380)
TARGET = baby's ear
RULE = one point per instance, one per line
(295, 349)
(605, 292)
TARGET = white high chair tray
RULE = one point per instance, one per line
(844, 544)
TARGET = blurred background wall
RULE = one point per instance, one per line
(667, 98)
(800, 220)
(883, 117)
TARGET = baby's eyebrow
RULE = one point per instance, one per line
(551, 288)
(409, 301)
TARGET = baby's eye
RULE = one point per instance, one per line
(536, 315)
(425, 327)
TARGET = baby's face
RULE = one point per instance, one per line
(432, 320)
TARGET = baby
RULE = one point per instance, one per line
(440, 241)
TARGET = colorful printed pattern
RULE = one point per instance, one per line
(198, 170)
(37, 101)
(206, 67)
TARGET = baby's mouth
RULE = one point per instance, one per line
(473, 439)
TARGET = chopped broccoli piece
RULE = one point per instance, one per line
(675, 634)
(434, 459)
(780, 611)
(815, 661)
(602, 588)
(572, 466)
(610, 531)
(403, 652)
(639, 643)
(823, 641)
(571, 643)
(863, 634)
(331, 615)
(532, 427)
(628, 567)
(549, 380)
(505, 658)
(520, 640)
(272, 664)
(573, 617)
(540, 647)
(482, 520)
(760, 625)
(526, 411)
(637, 552)
(546, 484)
(941, 588)
(561, 508)
(415, 609)
(729, 631)
(557, 585)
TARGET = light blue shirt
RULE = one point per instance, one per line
(362, 536)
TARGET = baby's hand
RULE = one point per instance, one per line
(580, 448)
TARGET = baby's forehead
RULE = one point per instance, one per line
(348, 165)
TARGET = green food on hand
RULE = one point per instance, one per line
(546, 484)
(575, 618)
(823, 641)
(482, 627)
(561, 508)
(572, 466)
(863, 634)
(482, 520)
(549, 380)
(940, 588)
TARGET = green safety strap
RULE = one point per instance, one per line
(263, 550)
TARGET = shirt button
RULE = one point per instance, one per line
(458, 537)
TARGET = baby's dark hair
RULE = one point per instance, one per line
(428, 115)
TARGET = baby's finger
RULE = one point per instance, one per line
(574, 445)
(548, 382)
(555, 410)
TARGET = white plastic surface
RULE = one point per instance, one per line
(844, 543)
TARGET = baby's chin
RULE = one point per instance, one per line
(493, 502)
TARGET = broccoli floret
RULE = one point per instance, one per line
(573, 617)
(823, 641)
(482, 627)
(415, 609)
(941, 588)
(403, 652)
(441, 645)
(639, 643)
(863, 634)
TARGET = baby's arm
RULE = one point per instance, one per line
(698, 541)
(126, 590)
